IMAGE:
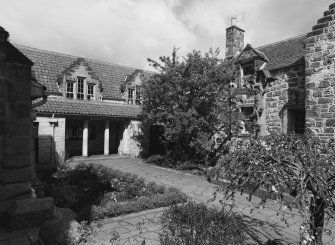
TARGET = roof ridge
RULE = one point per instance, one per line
(285, 40)
(74, 56)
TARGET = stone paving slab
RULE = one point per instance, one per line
(266, 222)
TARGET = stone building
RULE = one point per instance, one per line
(299, 74)
(19, 207)
(92, 106)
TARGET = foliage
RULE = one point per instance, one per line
(64, 195)
(192, 166)
(111, 192)
(198, 224)
(112, 209)
(61, 160)
(303, 166)
(193, 100)
(88, 233)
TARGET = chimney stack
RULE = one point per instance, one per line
(234, 39)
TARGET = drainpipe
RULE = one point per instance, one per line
(54, 123)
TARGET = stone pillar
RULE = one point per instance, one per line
(85, 139)
(106, 138)
(320, 76)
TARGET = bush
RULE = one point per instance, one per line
(64, 195)
(193, 167)
(196, 224)
(160, 160)
(111, 209)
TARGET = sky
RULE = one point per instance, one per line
(128, 32)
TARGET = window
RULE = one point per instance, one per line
(247, 125)
(131, 96)
(296, 121)
(248, 70)
(80, 88)
(74, 132)
(138, 95)
(90, 91)
(69, 90)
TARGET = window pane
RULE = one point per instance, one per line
(69, 90)
(130, 96)
(90, 91)
(247, 125)
(138, 95)
(80, 89)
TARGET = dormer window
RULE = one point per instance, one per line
(248, 70)
(134, 95)
(79, 88)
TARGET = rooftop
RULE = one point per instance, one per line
(49, 65)
(85, 107)
(285, 53)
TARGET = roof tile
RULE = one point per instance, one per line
(93, 108)
(49, 65)
(285, 53)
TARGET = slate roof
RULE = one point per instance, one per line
(49, 65)
(90, 108)
(285, 53)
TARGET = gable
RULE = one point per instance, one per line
(249, 54)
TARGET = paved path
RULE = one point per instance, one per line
(265, 221)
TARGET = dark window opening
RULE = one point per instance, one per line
(74, 132)
(248, 70)
(296, 121)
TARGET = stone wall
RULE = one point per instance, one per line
(320, 77)
(288, 92)
(16, 171)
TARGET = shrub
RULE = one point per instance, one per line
(112, 209)
(160, 160)
(64, 195)
(196, 224)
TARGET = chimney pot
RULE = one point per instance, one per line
(233, 21)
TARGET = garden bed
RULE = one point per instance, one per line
(186, 166)
(96, 192)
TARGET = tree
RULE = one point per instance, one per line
(194, 101)
(303, 166)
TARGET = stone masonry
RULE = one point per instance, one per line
(320, 76)
(18, 208)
